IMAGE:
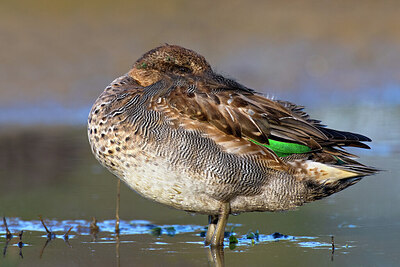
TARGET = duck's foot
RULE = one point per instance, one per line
(216, 227)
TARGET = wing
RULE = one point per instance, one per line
(334, 137)
(243, 121)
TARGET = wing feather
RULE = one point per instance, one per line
(229, 110)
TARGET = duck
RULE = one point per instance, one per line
(180, 134)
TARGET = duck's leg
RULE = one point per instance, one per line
(212, 225)
(218, 237)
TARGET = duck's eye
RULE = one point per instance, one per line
(182, 70)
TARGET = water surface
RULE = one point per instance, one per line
(50, 171)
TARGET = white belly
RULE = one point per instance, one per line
(155, 179)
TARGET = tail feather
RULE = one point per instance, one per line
(327, 174)
(355, 166)
(327, 168)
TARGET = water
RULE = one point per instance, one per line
(56, 58)
(49, 171)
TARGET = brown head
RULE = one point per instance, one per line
(168, 60)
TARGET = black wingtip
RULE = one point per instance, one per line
(342, 138)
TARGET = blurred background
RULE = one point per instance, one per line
(56, 56)
(341, 59)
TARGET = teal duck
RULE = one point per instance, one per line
(180, 134)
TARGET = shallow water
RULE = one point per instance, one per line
(50, 171)
(174, 241)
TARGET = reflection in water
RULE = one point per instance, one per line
(50, 236)
(50, 170)
(94, 229)
(133, 229)
(9, 236)
(117, 241)
(36, 156)
(20, 244)
(48, 240)
(216, 256)
(140, 227)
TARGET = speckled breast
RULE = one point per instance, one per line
(142, 149)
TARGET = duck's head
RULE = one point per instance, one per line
(168, 60)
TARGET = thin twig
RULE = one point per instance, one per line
(21, 244)
(9, 236)
(66, 235)
(117, 208)
(50, 234)
(44, 225)
(94, 228)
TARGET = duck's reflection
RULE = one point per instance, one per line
(216, 256)
(117, 255)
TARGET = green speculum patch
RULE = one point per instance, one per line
(283, 149)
